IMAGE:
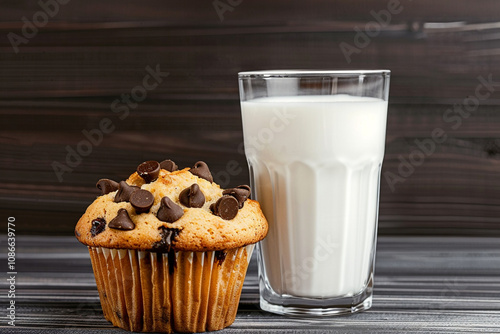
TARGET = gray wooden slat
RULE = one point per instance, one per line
(422, 285)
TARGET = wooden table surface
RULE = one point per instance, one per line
(422, 285)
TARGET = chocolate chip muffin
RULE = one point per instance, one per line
(170, 248)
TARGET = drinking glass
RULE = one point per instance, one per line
(314, 142)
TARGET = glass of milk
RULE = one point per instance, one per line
(314, 141)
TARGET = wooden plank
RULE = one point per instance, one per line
(422, 285)
(454, 191)
(200, 12)
(65, 79)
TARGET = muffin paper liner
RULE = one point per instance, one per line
(166, 292)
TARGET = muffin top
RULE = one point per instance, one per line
(160, 208)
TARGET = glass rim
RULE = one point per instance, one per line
(311, 73)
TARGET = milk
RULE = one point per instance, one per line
(318, 159)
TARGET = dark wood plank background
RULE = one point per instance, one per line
(65, 79)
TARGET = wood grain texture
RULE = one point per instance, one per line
(422, 285)
(65, 79)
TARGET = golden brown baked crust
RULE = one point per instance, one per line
(200, 229)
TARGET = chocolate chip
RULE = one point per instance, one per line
(172, 261)
(192, 197)
(142, 200)
(169, 211)
(226, 207)
(98, 225)
(241, 193)
(122, 221)
(166, 245)
(168, 237)
(201, 169)
(169, 165)
(149, 170)
(106, 186)
(220, 256)
(124, 192)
